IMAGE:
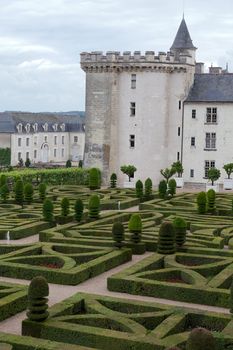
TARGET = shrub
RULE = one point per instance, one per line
(180, 226)
(28, 193)
(118, 234)
(27, 163)
(19, 192)
(178, 168)
(135, 227)
(65, 206)
(166, 241)
(201, 202)
(3, 180)
(200, 339)
(42, 191)
(162, 189)
(128, 170)
(213, 175)
(78, 209)
(211, 201)
(231, 297)
(172, 186)
(21, 163)
(94, 179)
(113, 180)
(48, 210)
(228, 169)
(37, 302)
(167, 173)
(80, 164)
(94, 207)
(139, 189)
(4, 192)
(148, 189)
(68, 163)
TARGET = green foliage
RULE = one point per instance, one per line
(167, 173)
(78, 209)
(42, 191)
(48, 210)
(5, 156)
(113, 180)
(200, 339)
(19, 192)
(211, 201)
(135, 227)
(94, 207)
(21, 163)
(166, 241)
(28, 193)
(201, 202)
(213, 175)
(4, 192)
(118, 234)
(180, 226)
(139, 189)
(178, 168)
(68, 163)
(94, 179)
(228, 169)
(3, 180)
(148, 189)
(128, 170)
(172, 186)
(65, 206)
(37, 302)
(162, 189)
(27, 163)
(80, 164)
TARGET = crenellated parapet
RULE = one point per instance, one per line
(114, 61)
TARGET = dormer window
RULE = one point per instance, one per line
(63, 127)
(27, 127)
(35, 127)
(55, 126)
(45, 127)
(19, 127)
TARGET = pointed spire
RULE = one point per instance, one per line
(183, 39)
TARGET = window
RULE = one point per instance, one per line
(45, 127)
(27, 127)
(35, 127)
(20, 127)
(55, 127)
(193, 141)
(27, 155)
(55, 152)
(62, 127)
(35, 154)
(191, 172)
(27, 141)
(46, 139)
(55, 140)
(178, 131)
(63, 140)
(179, 104)
(19, 156)
(133, 81)
(211, 115)
(75, 139)
(62, 152)
(132, 109)
(194, 113)
(208, 164)
(19, 142)
(131, 141)
(178, 155)
(35, 140)
(210, 140)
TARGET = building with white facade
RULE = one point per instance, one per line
(152, 109)
(43, 137)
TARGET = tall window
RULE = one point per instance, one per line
(178, 156)
(35, 140)
(191, 172)
(210, 140)
(19, 142)
(63, 140)
(193, 141)
(19, 156)
(178, 130)
(35, 154)
(55, 152)
(131, 141)
(133, 81)
(179, 104)
(211, 115)
(208, 164)
(75, 139)
(194, 113)
(132, 109)
(27, 155)
(46, 139)
(62, 152)
(27, 141)
(55, 140)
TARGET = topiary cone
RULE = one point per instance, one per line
(37, 302)
(200, 339)
(166, 241)
(135, 227)
(118, 234)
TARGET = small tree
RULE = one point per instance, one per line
(178, 168)
(28, 193)
(19, 193)
(166, 241)
(27, 163)
(113, 180)
(180, 226)
(167, 173)
(42, 191)
(201, 339)
(139, 189)
(94, 207)
(38, 292)
(228, 169)
(68, 163)
(172, 186)
(135, 227)
(3, 180)
(129, 170)
(94, 179)
(213, 175)
(162, 189)
(211, 201)
(78, 209)
(4, 193)
(148, 189)
(201, 202)
(65, 206)
(48, 210)
(118, 234)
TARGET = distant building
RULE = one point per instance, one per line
(43, 137)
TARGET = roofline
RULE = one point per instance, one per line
(211, 101)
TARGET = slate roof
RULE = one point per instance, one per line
(74, 121)
(183, 39)
(211, 88)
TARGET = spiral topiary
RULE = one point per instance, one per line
(118, 234)
(78, 209)
(48, 210)
(94, 207)
(200, 339)
(28, 193)
(211, 201)
(65, 206)
(180, 226)
(201, 202)
(162, 189)
(19, 193)
(113, 180)
(148, 189)
(139, 189)
(135, 228)
(37, 302)
(172, 186)
(94, 179)
(166, 241)
(42, 191)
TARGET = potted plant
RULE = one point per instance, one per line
(228, 183)
(179, 171)
(213, 175)
(129, 170)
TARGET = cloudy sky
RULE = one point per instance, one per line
(40, 42)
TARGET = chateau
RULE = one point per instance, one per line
(151, 109)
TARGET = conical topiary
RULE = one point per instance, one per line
(94, 178)
(172, 186)
(211, 201)
(166, 241)
(42, 191)
(78, 209)
(19, 194)
(113, 180)
(4, 192)
(94, 207)
(135, 228)
(148, 189)
(65, 206)
(180, 226)
(37, 302)
(200, 339)
(28, 193)
(118, 234)
(201, 202)
(139, 189)
(48, 210)
(162, 189)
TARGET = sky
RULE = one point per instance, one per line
(41, 42)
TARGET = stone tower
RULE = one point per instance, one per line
(134, 107)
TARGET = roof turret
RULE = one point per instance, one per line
(183, 39)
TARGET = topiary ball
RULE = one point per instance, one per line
(200, 339)
(38, 288)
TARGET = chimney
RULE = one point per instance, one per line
(199, 68)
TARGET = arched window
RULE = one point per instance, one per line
(27, 127)
(35, 127)
(20, 127)
(63, 127)
(55, 127)
(45, 127)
